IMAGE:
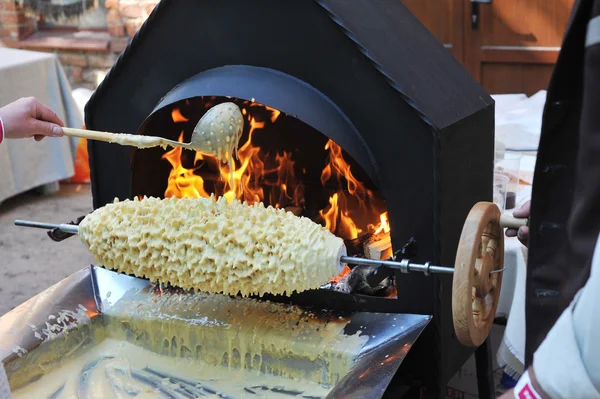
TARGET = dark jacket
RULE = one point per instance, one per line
(565, 207)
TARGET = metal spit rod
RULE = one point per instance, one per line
(405, 266)
(67, 228)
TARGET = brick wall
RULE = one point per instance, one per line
(13, 23)
(85, 57)
(86, 68)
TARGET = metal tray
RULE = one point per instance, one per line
(73, 311)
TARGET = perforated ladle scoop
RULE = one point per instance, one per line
(217, 133)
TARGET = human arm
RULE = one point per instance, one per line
(523, 232)
(27, 117)
(567, 363)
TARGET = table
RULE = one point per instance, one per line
(27, 164)
(518, 121)
(511, 353)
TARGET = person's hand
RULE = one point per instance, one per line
(523, 233)
(27, 117)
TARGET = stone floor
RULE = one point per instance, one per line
(29, 260)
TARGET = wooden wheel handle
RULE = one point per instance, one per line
(478, 274)
(512, 222)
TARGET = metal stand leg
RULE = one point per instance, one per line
(485, 371)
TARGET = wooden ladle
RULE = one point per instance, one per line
(217, 132)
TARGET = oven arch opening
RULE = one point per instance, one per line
(282, 162)
(283, 92)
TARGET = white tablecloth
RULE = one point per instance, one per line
(511, 353)
(26, 164)
(518, 125)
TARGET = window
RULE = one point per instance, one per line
(70, 14)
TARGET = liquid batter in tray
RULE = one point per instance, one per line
(117, 369)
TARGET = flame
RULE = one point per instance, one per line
(177, 117)
(182, 182)
(249, 173)
(274, 113)
(285, 182)
(384, 224)
(337, 219)
(275, 184)
(331, 215)
(336, 279)
(259, 176)
(338, 169)
(250, 170)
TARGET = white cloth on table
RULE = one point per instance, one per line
(518, 121)
(511, 353)
(4, 387)
(26, 164)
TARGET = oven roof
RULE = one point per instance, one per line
(407, 56)
(410, 58)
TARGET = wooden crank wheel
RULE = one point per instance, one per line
(478, 274)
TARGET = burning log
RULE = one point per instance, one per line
(357, 282)
(374, 246)
(378, 246)
(356, 246)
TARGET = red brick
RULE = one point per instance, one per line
(9, 30)
(8, 5)
(17, 31)
(117, 30)
(101, 61)
(132, 27)
(113, 17)
(73, 59)
(12, 17)
(112, 4)
(9, 43)
(131, 11)
(118, 45)
(26, 30)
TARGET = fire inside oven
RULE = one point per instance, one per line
(280, 161)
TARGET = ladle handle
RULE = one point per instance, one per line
(91, 134)
(134, 140)
(511, 222)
